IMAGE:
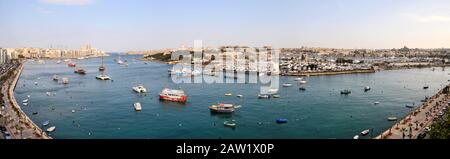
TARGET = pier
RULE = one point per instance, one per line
(16, 121)
(419, 119)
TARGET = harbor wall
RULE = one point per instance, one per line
(14, 103)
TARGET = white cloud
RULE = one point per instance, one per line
(68, 2)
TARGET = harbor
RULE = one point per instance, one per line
(90, 108)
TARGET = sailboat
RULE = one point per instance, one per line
(102, 67)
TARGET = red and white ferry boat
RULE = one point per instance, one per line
(173, 95)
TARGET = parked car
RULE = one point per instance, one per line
(2, 129)
(427, 129)
(422, 135)
(7, 135)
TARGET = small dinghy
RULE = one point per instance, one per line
(287, 85)
(35, 113)
(392, 118)
(263, 96)
(25, 104)
(239, 96)
(409, 106)
(276, 96)
(228, 94)
(45, 123)
(282, 121)
(25, 101)
(298, 79)
(231, 123)
(302, 88)
(376, 103)
(356, 137)
(365, 132)
(51, 129)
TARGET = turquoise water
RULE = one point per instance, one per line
(104, 109)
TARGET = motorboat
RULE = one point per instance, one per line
(302, 88)
(65, 80)
(239, 96)
(356, 137)
(367, 88)
(25, 100)
(287, 85)
(48, 93)
(222, 108)
(103, 77)
(365, 132)
(36, 83)
(58, 62)
(51, 129)
(137, 106)
(409, 106)
(303, 82)
(273, 91)
(298, 79)
(392, 118)
(140, 89)
(282, 121)
(80, 71)
(73, 111)
(376, 103)
(173, 95)
(426, 87)
(231, 123)
(45, 123)
(35, 113)
(276, 96)
(346, 92)
(228, 94)
(72, 65)
(25, 104)
(263, 96)
(55, 78)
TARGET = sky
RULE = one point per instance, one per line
(119, 25)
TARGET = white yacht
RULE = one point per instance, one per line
(138, 106)
(140, 89)
(51, 129)
(103, 77)
(298, 79)
(303, 82)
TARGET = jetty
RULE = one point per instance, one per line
(420, 118)
(16, 121)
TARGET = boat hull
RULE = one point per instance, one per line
(181, 99)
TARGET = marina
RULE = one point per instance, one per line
(321, 112)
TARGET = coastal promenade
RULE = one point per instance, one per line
(419, 119)
(323, 73)
(17, 122)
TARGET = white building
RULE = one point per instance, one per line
(3, 58)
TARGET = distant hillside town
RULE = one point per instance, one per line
(15, 53)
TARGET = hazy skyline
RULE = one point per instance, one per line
(117, 25)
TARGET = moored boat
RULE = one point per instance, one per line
(365, 132)
(55, 78)
(45, 123)
(137, 106)
(392, 118)
(356, 137)
(72, 65)
(367, 88)
(263, 96)
(222, 108)
(282, 121)
(346, 92)
(298, 79)
(231, 123)
(103, 77)
(80, 71)
(140, 89)
(303, 82)
(65, 80)
(51, 129)
(173, 95)
(287, 85)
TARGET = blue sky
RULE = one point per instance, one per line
(118, 25)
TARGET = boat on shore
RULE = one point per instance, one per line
(137, 106)
(173, 95)
(103, 77)
(139, 89)
(222, 108)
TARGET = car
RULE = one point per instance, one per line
(2, 129)
(427, 129)
(8, 135)
(422, 135)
